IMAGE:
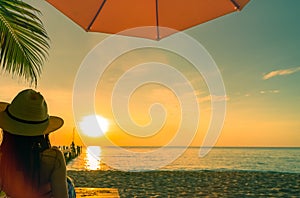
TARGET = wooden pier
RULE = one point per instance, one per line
(70, 152)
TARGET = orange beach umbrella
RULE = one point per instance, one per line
(114, 16)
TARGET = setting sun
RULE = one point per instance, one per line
(94, 125)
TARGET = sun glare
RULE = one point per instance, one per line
(94, 125)
(93, 154)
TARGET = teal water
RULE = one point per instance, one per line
(169, 158)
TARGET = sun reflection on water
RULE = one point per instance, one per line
(93, 158)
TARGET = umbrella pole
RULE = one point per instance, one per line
(157, 22)
(236, 5)
(96, 15)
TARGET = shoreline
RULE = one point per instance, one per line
(191, 183)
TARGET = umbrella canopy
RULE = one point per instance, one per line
(114, 16)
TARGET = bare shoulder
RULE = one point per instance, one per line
(53, 156)
(52, 152)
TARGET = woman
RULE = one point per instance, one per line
(29, 166)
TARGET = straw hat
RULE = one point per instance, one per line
(27, 115)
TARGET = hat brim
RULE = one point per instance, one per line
(19, 128)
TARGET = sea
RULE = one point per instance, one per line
(187, 159)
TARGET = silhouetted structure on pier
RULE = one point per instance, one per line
(71, 152)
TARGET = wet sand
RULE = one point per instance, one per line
(192, 183)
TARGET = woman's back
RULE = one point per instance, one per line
(50, 183)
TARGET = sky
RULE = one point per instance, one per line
(256, 51)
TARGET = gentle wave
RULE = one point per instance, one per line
(219, 158)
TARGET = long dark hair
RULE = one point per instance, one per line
(22, 153)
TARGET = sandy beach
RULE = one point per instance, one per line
(192, 183)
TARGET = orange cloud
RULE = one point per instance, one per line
(213, 98)
(280, 73)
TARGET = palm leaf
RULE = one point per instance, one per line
(24, 42)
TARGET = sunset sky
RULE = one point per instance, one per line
(256, 50)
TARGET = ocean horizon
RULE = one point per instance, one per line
(149, 158)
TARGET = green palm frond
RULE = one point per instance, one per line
(24, 42)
